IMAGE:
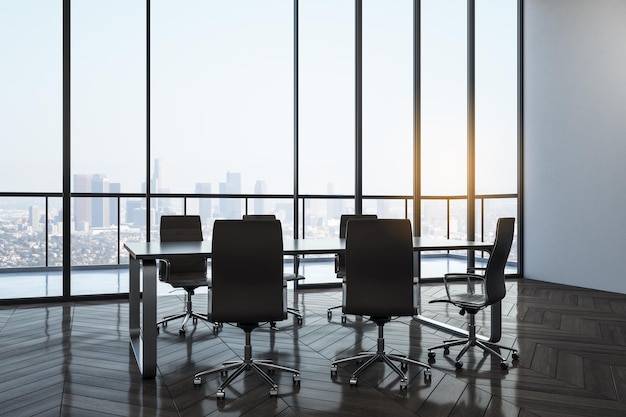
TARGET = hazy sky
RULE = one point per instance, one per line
(222, 94)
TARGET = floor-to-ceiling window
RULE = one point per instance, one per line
(197, 107)
(387, 95)
(222, 107)
(108, 132)
(496, 116)
(31, 134)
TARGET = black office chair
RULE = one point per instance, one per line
(379, 284)
(247, 289)
(188, 272)
(340, 258)
(470, 302)
(289, 277)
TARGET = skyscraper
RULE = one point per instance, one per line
(82, 205)
(100, 205)
(204, 208)
(116, 188)
(260, 204)
(230, 208)
(34, 215)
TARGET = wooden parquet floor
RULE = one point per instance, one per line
(73, 359)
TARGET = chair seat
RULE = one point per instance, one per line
(189, 280)
(293, 277)
(468, 300)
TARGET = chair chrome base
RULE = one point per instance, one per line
(380, 355)
(470, 341)
(247, 363)
(188, 314)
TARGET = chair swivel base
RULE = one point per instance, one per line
(247, 363)
(188, 314)
(471, 341)
(369, 358)
(296, 313)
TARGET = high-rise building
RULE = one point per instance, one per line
(157, 184)
(135, 208)
(100, 205)
(34, 215)
(230, 208)
(82, 205)
(115, 188)
(260, 204)
(335, 207)
(204, 204)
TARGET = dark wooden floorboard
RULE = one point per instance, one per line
(73, 359)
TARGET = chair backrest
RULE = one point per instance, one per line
(259, 217)
(340, 258)
(343, 221)
(495, 288)
(174, 228)
(379, 268)
(247, 272)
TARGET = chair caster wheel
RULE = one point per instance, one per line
(274, 391)
(299, 321)
(224, 374)
(428, 376)
(329, 314)
(403, 384)
(404, 366)
(216, 329)
(220, 394)
(164, 324)
(343, 319)
(458, 364)
(271, 371)
(197, 382)
(431, 355)
(195, 320)
(515, 356)
(296, 379)
(446, 351)
(158, 329)
(504, 365)
(353, 381)
(181, 332)
(333, 371)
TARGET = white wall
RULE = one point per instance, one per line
(575, 142)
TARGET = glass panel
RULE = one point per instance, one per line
(222, 94)
(22, 232)
(494, 209)
(496, 96)
(55, 232)
(321, 220)
(94, 232)
(281, 208)
(109, 93)
(388, 208)
(163, 207)
(47, 283)
(326, 96)
(444, 97)
(388, 97)
(31, 101)
(132, 225)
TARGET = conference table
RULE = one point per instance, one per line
(143, 256)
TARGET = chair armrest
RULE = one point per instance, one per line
(463, 276)
(165, 275)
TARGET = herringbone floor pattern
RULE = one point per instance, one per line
(73, 359)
